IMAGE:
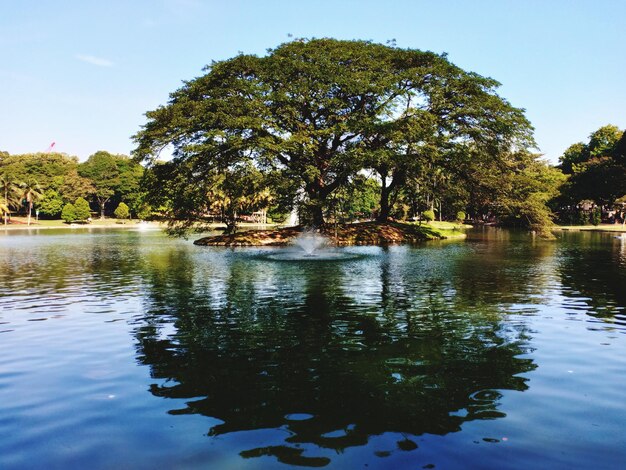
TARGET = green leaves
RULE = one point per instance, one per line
(51, 204)
(81, 209)
(113, 176)
(319, 111)
(597, 168)
(69, 213)
(122, 211)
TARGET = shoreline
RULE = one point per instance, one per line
(54, 224)
(608, 228)
(21, 227)
(362, 233)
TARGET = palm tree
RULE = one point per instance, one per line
(5, 210)
(31, 191)
(9, 190)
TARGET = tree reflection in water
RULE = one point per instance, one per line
(331, 354)
(593, 277)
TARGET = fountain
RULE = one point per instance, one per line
(310, 246)
(311, 242)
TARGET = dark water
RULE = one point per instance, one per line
(122, 349)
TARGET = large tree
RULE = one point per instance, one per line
(596, 169)
(101, 168)
(320, 110)
(112, 176)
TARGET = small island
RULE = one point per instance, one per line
(362, 233)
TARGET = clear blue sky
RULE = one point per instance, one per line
(83, 72)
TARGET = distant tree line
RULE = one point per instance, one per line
(55, 184)
(595, 189)
(587, 186)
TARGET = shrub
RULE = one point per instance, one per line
(460, 216)
(428, 215)
(122, 212)
(582, 218)
(68, 214)
(51, 204)
(144, 212)
(82, 210)
(596, 216)
(278, 215)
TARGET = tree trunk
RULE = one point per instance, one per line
(231, 221)
(383, 214)
(102, 206)
(386, 191)
(317, 215)
(30, 209)
(314, 208)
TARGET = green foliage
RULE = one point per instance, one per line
(113, 177)
(523, 195)
(319, 111)
(144, 212)
(40, 167)
(356, 200)
(4, 209)
(189, 198)
(30, 191)
(277, 215)
(582, 218)
(10, 196)
(603, 141)
(69, 213)
(596, 216)
(51, 172)
(105, 176)
(304, 123)
(51, 204)
(72, 186)
(600, 179)
(81, 209)
(122, 211)
(428, 215)
(460, 216)
(573, 156)
(597, 168)
(619, 152)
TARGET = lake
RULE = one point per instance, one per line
(127, 349)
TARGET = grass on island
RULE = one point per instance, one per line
(596, 228)
(451, 227)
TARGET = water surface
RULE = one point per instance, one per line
(126, 349)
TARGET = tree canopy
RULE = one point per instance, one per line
(596, 169)
(112, 175)
(318, 113)
(62, 179)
